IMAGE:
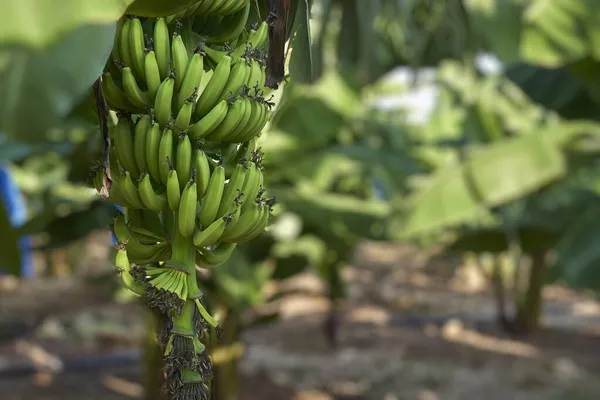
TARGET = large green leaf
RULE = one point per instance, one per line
(334, 215)
(490, 176)
(577, 257)
(40, 87)
(549, 33)
(41, 23)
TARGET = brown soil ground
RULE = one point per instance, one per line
(396, 340)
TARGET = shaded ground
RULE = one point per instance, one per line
(397, 341)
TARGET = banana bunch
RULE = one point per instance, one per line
(184, 163)
(163, 77)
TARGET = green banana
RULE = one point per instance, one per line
(237, 22)
(209, 122)
(245, 131)
(164, 99)
(173, 190)
(152, 72)
(211, 93)
(136, 48)
(183, 161)
(182, 121)
(258, 37)
(235, 81)
(218, 255)
(153, 139)
(152, 200)
(134, 93)
(124, 144)
(212, 198)
(114, 94)
(192, 79)
(242, 126)
(248, 218)
(212, 233)
(162, 47)
(235, 215)
(233, 188)
(165, 154)
(251, 184)
(131, 191)
(179, 56)
(147, 254)
(145, 236)
(142, 126)
(117, 195)
(124, 267)
(235, 113)
(121, 230)
(124, 46)
(202, 173)
(260, 225)
(254, 77)
(186, 216)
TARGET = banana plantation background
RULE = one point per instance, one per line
(437, 230)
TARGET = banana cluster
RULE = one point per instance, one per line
(188, 106)
(216, 95)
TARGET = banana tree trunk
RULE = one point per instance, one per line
(529, 309)
(225, 355)
(154, 378)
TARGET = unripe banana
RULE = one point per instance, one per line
(212, 198)
(184, 116)
(142, 126)
(218, 5)
(179, 56)
(186, 216)
(211, 234)
(148, 254)
(235, 216)
(211, 93)
(234, 81)
(124, 46)
(235, 113)
(165, 154)
(114, 94)
(245, 223)
(204, 6)
(136, 47)
(120, 229)
(254, 77)
(233, 189)
(123, 265)
(251, 184)
(152, 200)
(183, 161)
(211, 258)
(152, 71)
(238, 22)
(260, 225)
(202, 173)
(164, 100)
(209, 122)
(117, 195)
(252, 125)
(162, 47)
(242, 127)
(258, 37)
(123, 140)
(192, 79)
(131, 191)
(173, 190)
(153, 139)
(133, 92)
